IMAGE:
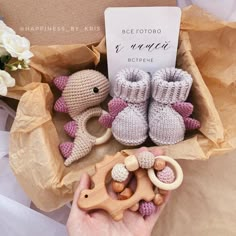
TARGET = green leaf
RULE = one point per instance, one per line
(5, 59)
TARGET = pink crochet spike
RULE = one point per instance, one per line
(191, 123)
(106, 120)
(70, 128)
(66, 149)
(185, 109)
(60, 105)
(61, 82)
(115, 106)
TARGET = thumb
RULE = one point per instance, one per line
(83, 184)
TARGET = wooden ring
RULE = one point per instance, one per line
(104, 138)
(164, 186)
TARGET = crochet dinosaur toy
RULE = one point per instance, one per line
(82, 92)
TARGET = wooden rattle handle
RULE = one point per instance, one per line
(98, 197)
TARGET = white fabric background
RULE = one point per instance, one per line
(223, 9)
(16, 216)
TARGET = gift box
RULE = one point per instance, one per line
(37, 130)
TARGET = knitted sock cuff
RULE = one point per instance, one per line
(171, 85)
(132, 85)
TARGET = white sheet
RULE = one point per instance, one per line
(18, 220)
(223, 9)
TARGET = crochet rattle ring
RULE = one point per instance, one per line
(167, 186)
(84, 141)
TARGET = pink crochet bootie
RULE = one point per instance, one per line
(128, 110)
(168, 111)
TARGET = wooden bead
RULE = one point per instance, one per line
(159, 164)
(118, 186)
(163, 192)
(158, 199)
(131, 163)
(125, 194)
(135, 207)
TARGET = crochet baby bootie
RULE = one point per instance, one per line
(128, 109)
(168, 111)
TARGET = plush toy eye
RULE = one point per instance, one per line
(95, 90)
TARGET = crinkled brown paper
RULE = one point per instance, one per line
(206, 50)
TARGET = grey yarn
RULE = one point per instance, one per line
(130, 126)
(146, 159)
(119, 172)
(169, 86)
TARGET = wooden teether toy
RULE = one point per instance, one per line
(145, 198)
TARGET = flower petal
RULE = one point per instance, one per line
(6, 79)
(3, 88)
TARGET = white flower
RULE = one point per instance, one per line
(17, 46)
(5, 81)
(5, 29)
(3, 51)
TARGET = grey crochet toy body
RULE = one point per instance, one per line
(169, 86)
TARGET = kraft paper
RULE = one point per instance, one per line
(206, 49)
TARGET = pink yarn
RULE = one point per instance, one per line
(191, 123)
(60, 105)
(71, 128)
(66, 149)
(146, 208)
(61, 82)
(166, 175)
(115, 106)
(185, 109)
(106, 120)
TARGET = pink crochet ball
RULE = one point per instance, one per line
(146, 208)
(166, 175)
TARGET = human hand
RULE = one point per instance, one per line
(100, 223)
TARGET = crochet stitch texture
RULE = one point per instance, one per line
(169, 86)
(146, 208)
(130, 126)
(146, 159)
(82, 92)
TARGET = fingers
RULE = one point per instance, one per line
(83, 184)
(156, 151)
(152, 219)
